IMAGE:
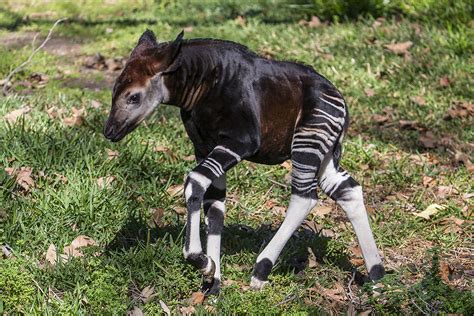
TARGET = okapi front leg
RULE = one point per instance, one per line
(199, 180)
(214, 210)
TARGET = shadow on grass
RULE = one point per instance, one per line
(237, 239)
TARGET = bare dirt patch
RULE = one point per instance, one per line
(59, 46)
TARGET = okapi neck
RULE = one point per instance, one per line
(196, 75)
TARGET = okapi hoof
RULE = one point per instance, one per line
(211, 288)
(256, 284)
(376, 272)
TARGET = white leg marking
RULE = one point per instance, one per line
(214, 251)
(297, 211)
(194, 237)
(227, 150)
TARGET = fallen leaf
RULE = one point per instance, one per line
(369, 92)
(136, 311)
(189, 158)
(105, 182)
(96, 104)
(24, 179)
(10, 171)
(51, 255)
(77, 118)
(356, 251)
(311, 258)
(156, 216)
(197, 298)
(443, 191)
(12, 116)
(459, 156)
(188, 29)
(380, 119)
(286, 164)
(399, 48)
(240, 20)
(430, 211)
(428, 181)
(444, 81)
(427, 140)
(180, 210)
(187, 310)
(460, 110)
(445, 271)
(83, 241)
(111, 154)
(52, 112)
(418, 99)
(175, 190)
(321, 211)
(314, 22)
(147, 294)
(165, 308)
(406, 124)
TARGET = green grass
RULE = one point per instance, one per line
(389, 161)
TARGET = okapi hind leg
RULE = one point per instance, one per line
(314, 137)
(214, 210)
(341, 187)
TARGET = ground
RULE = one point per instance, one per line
(407, 78)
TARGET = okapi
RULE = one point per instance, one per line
(236, 105)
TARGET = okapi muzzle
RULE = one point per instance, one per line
(236, 105)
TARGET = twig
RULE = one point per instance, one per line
(351, 297)
(26, 62)
(278, 183)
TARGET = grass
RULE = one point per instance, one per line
(428, 260)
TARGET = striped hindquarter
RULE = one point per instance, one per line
(315, 156)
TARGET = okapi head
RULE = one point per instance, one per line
(140, 88)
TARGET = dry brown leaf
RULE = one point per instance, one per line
(105, 182)
(445, 190)
(24, 179)
(52, 112)
(444, 81)
(356, 251)
(156, 216)
(428, 181)
(197, 298)
(189, 310)
(406, 124)
(445, 271)
(428, 140)
(399, 48)
(430, 211)
(165, 308)
(96, 104)
(188, 29)
(51, 254)
(10, 171)
(112, 154)
(286, 164)
(136, 311)
(321, 211)
(175, 190)
(240, 20)
(147, 294)
(380, 119)
(464, 159)
(12, 116)
(418, 99)
(180, 210)
(76, 119)
(311, 258)
(314, 22)
(369, 92)
(189, 158)
(83, 241)
(460, 109)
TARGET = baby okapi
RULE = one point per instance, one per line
(237, 105)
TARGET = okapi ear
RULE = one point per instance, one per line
(173, 51)
(146, 41)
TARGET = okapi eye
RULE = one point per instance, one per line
(134, 99)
